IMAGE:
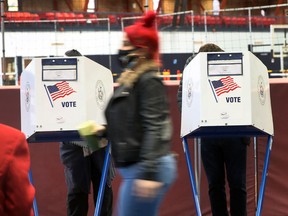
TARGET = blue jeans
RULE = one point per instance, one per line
(129, 204)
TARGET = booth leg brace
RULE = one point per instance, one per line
(101, 186)
(191, 174)
(35, 208)
(263, 181)
(103, 181)
(264, 175)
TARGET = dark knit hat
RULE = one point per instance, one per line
(143, 34)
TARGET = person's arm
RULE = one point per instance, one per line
(19, 191)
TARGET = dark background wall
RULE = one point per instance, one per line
(175, 62)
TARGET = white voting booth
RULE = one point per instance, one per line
(58, 94)
(226, 94)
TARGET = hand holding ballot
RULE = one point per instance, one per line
(91, 133)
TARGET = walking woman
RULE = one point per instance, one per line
(139, 125)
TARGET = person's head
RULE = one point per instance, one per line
(210, 47)
(73, 52)
(140, 40)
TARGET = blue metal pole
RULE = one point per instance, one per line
(191, 174)
(103, 181)
(35, 208)
(264, 175)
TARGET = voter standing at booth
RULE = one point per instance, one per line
(83, 166)
(70, 91)
(221, 157)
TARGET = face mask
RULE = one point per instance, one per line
(125, 60)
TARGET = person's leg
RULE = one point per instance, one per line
(97, 159)
(77, 204)
(167, 174)
(125, 199)
(213, 162)
(129, 204)
(77, 179)
(107, 202)
(235, 157)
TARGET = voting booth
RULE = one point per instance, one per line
(57, 95)
(226, 89)
(226, 94)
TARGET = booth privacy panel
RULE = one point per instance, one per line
(58, 94)
(225, 93)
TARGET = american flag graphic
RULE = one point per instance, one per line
(60, 90)
(224, 85)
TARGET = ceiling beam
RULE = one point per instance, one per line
(139, 5)
(159, 7)
(223, 4)
(55, 5)
(85, 8)
(69, 4)
(277, 10)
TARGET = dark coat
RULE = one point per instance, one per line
(139, 125)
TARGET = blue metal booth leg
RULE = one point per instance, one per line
(103, 181)
(264, 175)
(263, 181)
(191, 174)
(35, 208)
(101, 187)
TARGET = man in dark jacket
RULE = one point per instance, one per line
(220, 156)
